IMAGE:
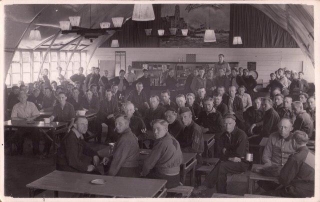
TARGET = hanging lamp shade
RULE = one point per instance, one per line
(115, 43)
(210, 36)
(35, 35)
(75, 21)
(105, 25)
(117, 21)
(160, 32)
(65, 25)
(184, 32)
(237, 40)
(143, 12)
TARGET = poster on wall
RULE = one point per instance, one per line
(197, 18)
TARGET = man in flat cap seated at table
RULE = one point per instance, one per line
(191, 139)
(232, 147)
(74, 155)
(124, 161)
(165, 158)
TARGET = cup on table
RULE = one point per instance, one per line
(47, 120)
(249, 157)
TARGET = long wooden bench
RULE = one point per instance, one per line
(219, 195)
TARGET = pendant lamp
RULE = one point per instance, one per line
(210, 36)
(115, 43)
(237, 40)
(143, 12)
(35, 35)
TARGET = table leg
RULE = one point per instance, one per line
(249, 185)
(192, 177)
(31, 192)
(55, 194)
(183, 176)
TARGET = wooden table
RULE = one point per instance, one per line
(122, 187)
(219, 195)
(54, 127)
(189, 163)
(257, 196)
(254, 177)
(208, 143)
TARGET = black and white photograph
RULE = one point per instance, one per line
(149, 99)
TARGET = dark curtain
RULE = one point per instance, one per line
(133, 32)
(256, 29)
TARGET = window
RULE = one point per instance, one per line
(26, 65)
(120, 61)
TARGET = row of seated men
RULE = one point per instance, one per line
(190, 139)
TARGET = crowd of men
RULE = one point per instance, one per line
(226, 105)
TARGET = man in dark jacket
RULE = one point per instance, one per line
(175, 126)
(145, 80)
(303, 120)
(121, 82)
(298, 174)
(254, 114)
(220, 106)
(194, 107)
(139, 98)
(154, 112)
(93, 78)
(232, 148)
(74, 155)
(222, 79)
(79, 77)
(187, 87)
(274, 83)
(250, 82)
(286, 110)
(13, 97)
(166, 101)
(235, 105)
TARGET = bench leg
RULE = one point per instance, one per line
(183, 177)
(55, 194)
(192, 176)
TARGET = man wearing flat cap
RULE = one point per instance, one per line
(232, 147)
(191, 139)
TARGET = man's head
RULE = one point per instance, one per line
(312, 102)
(171, 115)
(285, 127)
(195, 72)
(297, 107)
(92, 69)
(45, 72)
(114, 88)
(267, 104)
(278, 99)
(145, 73)
(300, 139)
(190, 99)
(94, 88)
(208, 104)
(301, 74)
(288, 74)
(217, 100)
(77, 85)
(287, 102)
(154, 102)
(220, 90)
(245, 72)
(295, 75)
(48, 92)
(54, 85)
(70, 87)
(129, 69)
(171, 72)
(221, 72)
(272, 76)
(106, 73)
(97, 70)
(210, 74)
(186, 116)
(303, 97)
(89, 94)
(36, 92)
(241, 90)
(280, 72)
(257, 103)
(23, 97)
(229, 122)
(108, 94)
(232, 91)
(160, 128)
(234, 72)
(122, 73)
(122, 123)
(201, 71)
(276, 91)
(181, 100)
(240, 71)
(81, 125)
(62, 98)
(221, 58)
(59, 69)
(128, 108)
(202, 92)
(15, 90)
(80, 70)
(139, 87)
(24, 88)
(165, 96)
(75, 92)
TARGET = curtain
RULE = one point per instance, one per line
(256, 29)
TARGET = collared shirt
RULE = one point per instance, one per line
(64, 114)
(79, 135)
(165, 157)
(131, 77)
(278, 149)
(230, 104)
(246, 101)
(24, 111)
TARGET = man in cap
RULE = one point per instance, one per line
(191, 139)
(232, 147)
(165, 158)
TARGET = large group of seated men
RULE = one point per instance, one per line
(226, 105)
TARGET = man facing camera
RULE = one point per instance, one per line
(165, 158)
(124, 160)
(74, 155)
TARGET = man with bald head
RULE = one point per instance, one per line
(276, 152)
(303, 120)
(74, 155)
(25, 111)
(268, 125)
(125, 157)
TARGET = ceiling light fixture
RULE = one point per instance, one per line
(143, 12)
(35, 35)
(209, 35)
(115, 43)
(75, 21)
(237, 40)
(117, 21)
